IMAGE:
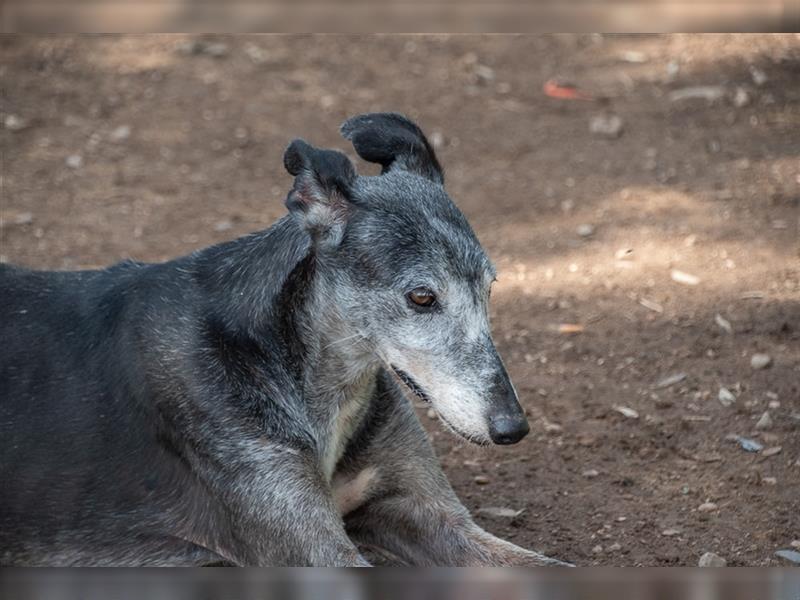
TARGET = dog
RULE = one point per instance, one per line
(249, 404)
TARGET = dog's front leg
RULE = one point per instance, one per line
(420, 530)
(279, 511)
(410, 513)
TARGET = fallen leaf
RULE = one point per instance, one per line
(569, 328)
(564, 91)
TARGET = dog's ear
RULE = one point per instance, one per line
(322, 185)
(394, 142)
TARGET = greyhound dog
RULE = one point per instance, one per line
(248, 404)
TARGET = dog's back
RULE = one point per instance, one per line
(69, 426)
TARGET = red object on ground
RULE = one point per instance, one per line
(564, 91)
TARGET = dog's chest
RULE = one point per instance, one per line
(344, 423)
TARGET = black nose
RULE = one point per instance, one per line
(508, 429)
(507, 422)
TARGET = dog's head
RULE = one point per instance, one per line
(408, 278)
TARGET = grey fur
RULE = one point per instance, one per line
(277, 369)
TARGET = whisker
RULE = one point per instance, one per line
(343, 340)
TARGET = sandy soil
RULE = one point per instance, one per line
(150, 147)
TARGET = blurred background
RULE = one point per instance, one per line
(398, 16)
(640, 195)
(391, 584)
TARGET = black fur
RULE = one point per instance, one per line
(116, 384)
(190, 412)
(390, 139)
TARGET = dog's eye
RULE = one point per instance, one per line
(422, 297)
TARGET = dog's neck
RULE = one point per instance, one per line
(340, 371)
(339, 360)
(272, 288)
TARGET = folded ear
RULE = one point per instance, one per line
(321, 191)
(394, 142)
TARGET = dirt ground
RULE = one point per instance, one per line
(151, 147)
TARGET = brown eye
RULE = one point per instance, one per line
(421, 297)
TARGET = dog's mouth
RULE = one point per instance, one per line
(419, 392)
(411, 384)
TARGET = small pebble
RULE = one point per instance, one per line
(765, 422)
(672, 70)
(772, 451)
(25, 218)
(723, 323)
(74, 161)
(590, 473)
(759, 77)
(726, 397)
(760, 361)
(632, 56)
(670, 380)
(626, 412)
(795, 544)
(741, 98)
(607, 126)
(748, 445)
(709, 93)
(585, 230)
(670, 532)
(481, 479)
(216, 49)
(709, 559)
(615, 547)
(223, 225)
(256, 53)
(707, 507)
(432, 414)
(553, 428)
(597, 549)
(14, 123)
(121, 133)
(771, 481)
(483, 73)
(683, 277)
